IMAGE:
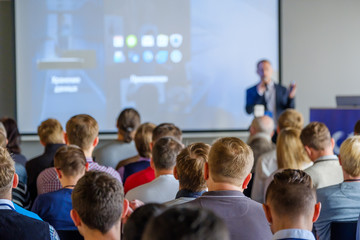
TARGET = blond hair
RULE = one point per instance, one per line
(230, 160)
(82, 130)
(350, 156)
(7, 171)
(290, 152)
(50, 131)
(291, 118)
(143, 138)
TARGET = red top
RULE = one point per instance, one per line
(139, 178)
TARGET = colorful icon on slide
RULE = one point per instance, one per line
(131, 41)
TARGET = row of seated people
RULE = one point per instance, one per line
(207, 177)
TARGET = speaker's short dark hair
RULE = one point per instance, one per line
(165, 151)
(291, 193)
(182, 223)
(98, 199)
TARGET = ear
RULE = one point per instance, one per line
(252, 130)
(66, 139)
(152, 164)
(125, 208)
(278, 130)
(75, 217)
(15, 181)
(340, 159)
(58, 172)
(96, 141)
(308, 151)
(267, 213)
(246, 181)
(151, 145)
(332, 143)
(175, 173)
(86, 166)
(317, 211)
(42, 143)
(206, 171)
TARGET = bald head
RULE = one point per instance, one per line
(264, 124)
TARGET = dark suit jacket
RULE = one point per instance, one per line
(282, 99)
(36, 165)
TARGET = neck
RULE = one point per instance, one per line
(322, 153)
(69, 181)
(113, 234)
(7, 196)
(286, 222)
(159, 172)
(348, 177)
(222, 186)
(88, 152)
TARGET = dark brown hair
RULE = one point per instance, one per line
(164, 153)
(166, 130)
(70, 159)
(98, 199)
(127, 122)
(12, 134)
(190, 166)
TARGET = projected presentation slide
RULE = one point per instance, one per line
(188, 62)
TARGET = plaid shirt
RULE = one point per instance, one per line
(48, 181)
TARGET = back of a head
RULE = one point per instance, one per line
(164, 153)
(291, 193)
(167, 130)
(185, 223)
(81, 130)
(7, 171)
(50, 131)
(127, 122)
(289, 149)
(263, 124)
(190, 166)
(71, 160)
(316, 135)
(98, 199)
(357, 128)
(12, 134)
(143, 138)
(350, 156)
(135, 225)
(291, 118)
(230, 160)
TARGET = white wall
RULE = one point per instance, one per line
(321, 50)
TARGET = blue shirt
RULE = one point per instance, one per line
(293, 234)
(54, 208)
(340, 202)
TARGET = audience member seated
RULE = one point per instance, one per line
(189, 170)
(81, 130)
(164, 187)
(181, 223)
(123, 147)
(341, 202)
(98, 206)
(13, 137)
(20, 194)
(290, 205)
(290, 153)
(227, 174)
(135, 225)
(267, 163)
(51, 136)
(54, 207)
(319, 146)
(148, 174)
(16, 222)
(261, 131)
(142, 141)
